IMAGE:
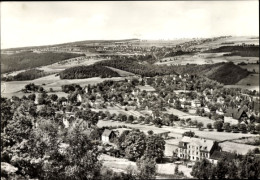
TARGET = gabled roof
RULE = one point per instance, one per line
(107, 132)
(204, 144)
(217, 155)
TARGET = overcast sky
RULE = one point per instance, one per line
(44, 23)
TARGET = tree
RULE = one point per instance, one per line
(227, 127)
(176, 170)
(222, 169)
(242, 128)
(250, 167)
(202, 169)
(189, 134)
(150, 132)
(130, 118)
(200, 125)
(134, 145)
(147, 168)
(155, 146)
(79, 161)
(257, 128)
(218, 125)
(209, 126)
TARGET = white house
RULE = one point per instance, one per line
(195, 103)
(108, 135)
(206, 109)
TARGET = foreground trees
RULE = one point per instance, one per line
(247, 167)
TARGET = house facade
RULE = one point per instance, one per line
(195, 148)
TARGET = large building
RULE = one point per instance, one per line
(196, 148)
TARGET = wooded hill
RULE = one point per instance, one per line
(226, 73)
(244, 51)
(26, 75)
(28, 60)
(81, 72)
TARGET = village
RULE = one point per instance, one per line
(195, 116)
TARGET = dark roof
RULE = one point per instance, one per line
(217, 155)
(235, 112)
(107, 132)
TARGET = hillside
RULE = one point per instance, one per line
(244, 51)
(81, 72)
(28, 60)
(71, 44)
(30, 74)
(226, 73)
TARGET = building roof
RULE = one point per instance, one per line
(107, 132)
(217, 155)
(204, 144)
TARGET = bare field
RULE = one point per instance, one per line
(251, 67)
(252, 79)
(146, 88)
(205, 58)
(239, 148)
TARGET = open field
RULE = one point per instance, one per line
(252, 79)
(121, 72)
(251, 67)
(146, 88)
(239, 148)
(205, 58)
(52, 81)
(177, 131)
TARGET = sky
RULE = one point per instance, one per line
(44, 23)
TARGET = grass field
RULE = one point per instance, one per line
(239, 148)
(205, 58)
(251, 67)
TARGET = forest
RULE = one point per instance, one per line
(26, 75)
(244, 51)
(226, 73)
(81, 72)
(28, 60)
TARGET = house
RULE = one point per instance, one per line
(217, 155)
(206, 109)
(220, 111)
(236, 113)
(164, 135)
(195, 103)
(196, 148)
(220, 100)
(208, 98)
(108, 135)
(79, 98)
